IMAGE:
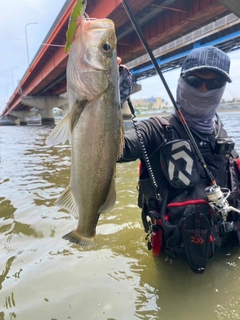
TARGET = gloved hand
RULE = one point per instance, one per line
(125, 83)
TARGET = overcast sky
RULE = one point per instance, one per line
(16, 14)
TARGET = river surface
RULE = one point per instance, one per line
(43, 277)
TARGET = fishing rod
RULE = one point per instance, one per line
(178, 111)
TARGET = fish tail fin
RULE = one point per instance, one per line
(77, 238)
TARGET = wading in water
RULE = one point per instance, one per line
(189, 174)
(186, 214)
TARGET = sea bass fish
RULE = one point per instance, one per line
(94, 126)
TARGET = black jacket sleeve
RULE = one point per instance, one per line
(152, 134)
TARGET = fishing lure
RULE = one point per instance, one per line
(78, 10)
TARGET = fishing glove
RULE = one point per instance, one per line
(125, 83)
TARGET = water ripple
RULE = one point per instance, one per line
(44, 277)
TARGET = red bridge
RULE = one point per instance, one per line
(161, 21)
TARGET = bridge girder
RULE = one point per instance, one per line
(161, 22)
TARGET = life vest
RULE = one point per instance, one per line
(180, 220)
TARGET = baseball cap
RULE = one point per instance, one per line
(208, 57)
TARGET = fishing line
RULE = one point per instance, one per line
(178, 111)
(39, 43)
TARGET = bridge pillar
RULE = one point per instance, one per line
(21, 115)
(47, 116)
(45, 104)
(126, 113)
(8, 121)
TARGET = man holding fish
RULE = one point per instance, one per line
(185, 214)
(179, 210)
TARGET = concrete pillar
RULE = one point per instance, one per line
(9, 120)
(22, 116)
(45, 106)
(42, 102)
(126, 113)
(47, 116)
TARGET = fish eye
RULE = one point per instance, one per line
(107, 47)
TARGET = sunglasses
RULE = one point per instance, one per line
(211, 84)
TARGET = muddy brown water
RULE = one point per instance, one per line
(44, 277)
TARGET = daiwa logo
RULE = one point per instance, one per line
(182, 154)
(197, 240)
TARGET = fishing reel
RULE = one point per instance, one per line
(218, 200)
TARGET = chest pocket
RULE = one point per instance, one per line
(178, 163)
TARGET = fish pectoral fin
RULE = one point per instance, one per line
(67, 201)
(77, 238)
(76, 112)
(61, 133)
(110, 200)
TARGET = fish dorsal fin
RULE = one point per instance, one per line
(67, 201)
(76, 112)
(61, 133)
(111, 198)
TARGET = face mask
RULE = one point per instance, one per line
(198, 108)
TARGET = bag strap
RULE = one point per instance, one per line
(164, 122)
(172, 127)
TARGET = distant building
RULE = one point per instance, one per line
(160, 103)
(150, 103)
